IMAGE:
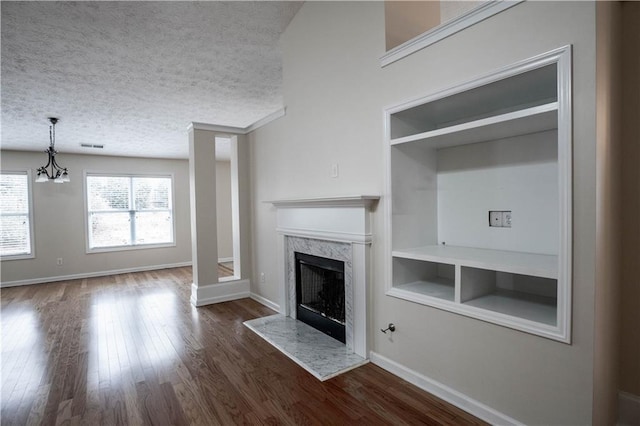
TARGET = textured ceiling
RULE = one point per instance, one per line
(133, 75)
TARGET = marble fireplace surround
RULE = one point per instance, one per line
(337, 228)
(330, 250)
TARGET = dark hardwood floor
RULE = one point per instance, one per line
(131, 349)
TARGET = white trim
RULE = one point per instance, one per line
(45, 280)
(234, 165)
(347, 201)
(264, 301)
(563, 57)
(475, 15)
(132, 246)
(225, 259)
(202, 295)
(444, 392)
(268, 119)
(231, 130)
(343, 237)
(628, 409)
(23, 256)
(222, 130)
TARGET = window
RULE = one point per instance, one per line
(15, 216)
(129, 211)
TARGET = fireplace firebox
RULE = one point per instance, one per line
(320, 294)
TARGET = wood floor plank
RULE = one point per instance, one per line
(36, 412)
(130, 349)
(64, 412)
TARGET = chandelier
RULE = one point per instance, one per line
(56, 173)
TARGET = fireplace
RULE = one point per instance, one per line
(320, 294)
(335, 228)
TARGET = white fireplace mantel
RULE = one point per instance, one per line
(324, 221)
(354, 201)
(342, 219)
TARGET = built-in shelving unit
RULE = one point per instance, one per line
(499, 143)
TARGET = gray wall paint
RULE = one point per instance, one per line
(335, 92)
(69, 222)
(223, 207)
(59, 224)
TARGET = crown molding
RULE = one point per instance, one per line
(473, 16)
(268, 119)
(230, 130)
(216, 128)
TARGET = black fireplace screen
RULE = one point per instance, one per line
(320, 294)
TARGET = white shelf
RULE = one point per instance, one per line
(534, 308)
(348, 201)
(538, 265)
(441, 288)
(521, 122)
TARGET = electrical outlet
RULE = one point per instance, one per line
(59, 261)
(495, 219)
(506, 219)
(262, 278)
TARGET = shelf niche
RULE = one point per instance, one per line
(430, 279)
(500, 142)
(528, 297)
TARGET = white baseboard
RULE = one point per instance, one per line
(225, 259)
(220, 292)
(628, 409)
(91, 274)
(266, 302)
(444, 392)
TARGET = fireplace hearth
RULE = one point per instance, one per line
(320, 294)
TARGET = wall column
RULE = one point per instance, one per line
(207, 288)
(202, 195)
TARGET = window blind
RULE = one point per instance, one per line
(15, 227)
(129, 211)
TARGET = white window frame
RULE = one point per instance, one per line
(32, 253)
(90, 250)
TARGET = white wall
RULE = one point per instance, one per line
(335, 93)
(223, 207)
(59, 224)
(472, 180)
